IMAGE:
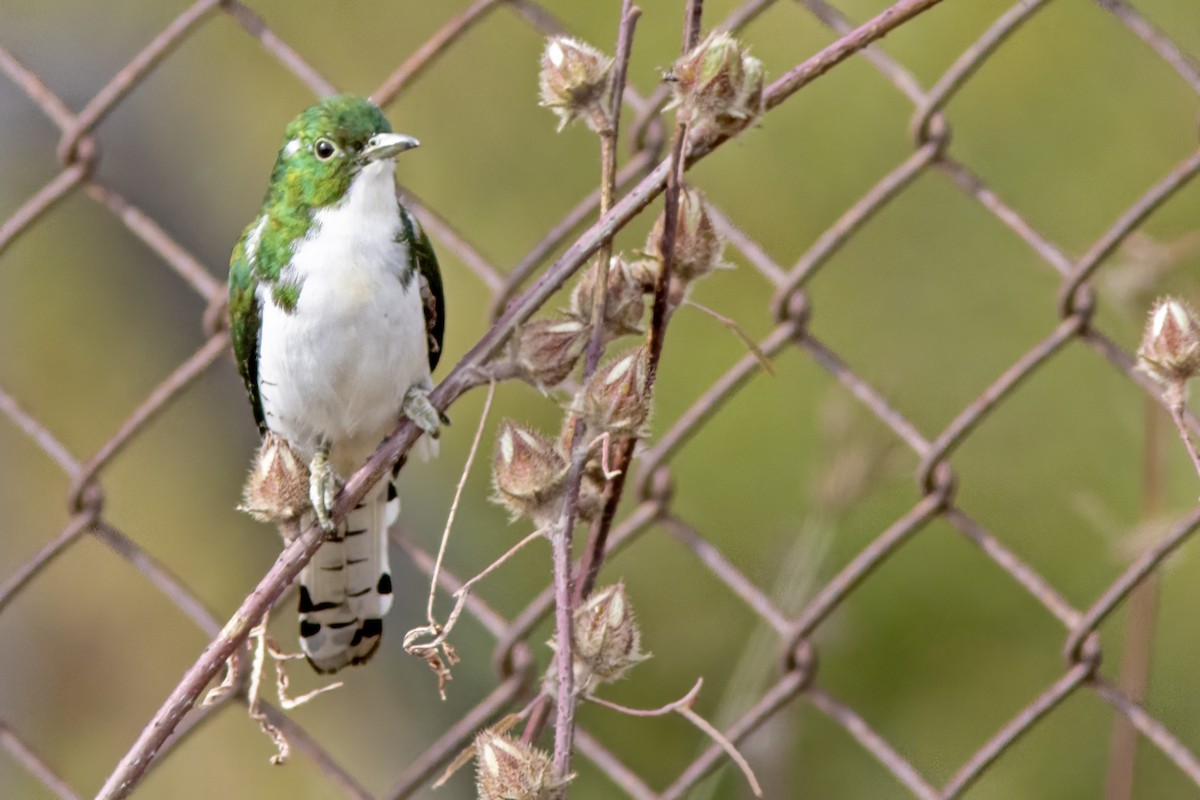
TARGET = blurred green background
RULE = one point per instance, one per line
(1070, 122)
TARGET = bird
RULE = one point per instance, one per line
(336, 315)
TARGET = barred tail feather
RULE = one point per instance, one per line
(347, 586)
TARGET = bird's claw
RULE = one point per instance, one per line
(422, 412)
(322, 488)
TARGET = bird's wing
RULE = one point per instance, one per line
(245, 314)
(429, 279)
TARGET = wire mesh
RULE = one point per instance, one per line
(799, 679)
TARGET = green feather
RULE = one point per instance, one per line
(245, 319)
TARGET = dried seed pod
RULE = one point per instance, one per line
(624, 307)
(277, 488)
(1170, 350)
(616, 399)
(509, 769)
(643, 273)
(718, 87)
(606, 641)
(698, 246)
(573, 79)
(548, 349)
(528, 474)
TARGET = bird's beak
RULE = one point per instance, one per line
(382, 146)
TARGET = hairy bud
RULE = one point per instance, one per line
(528, 474)
(509, 769)
(698, 246)
(1170, 351)
(644, 272)
(718, 86)
(616, 399)
(607, 642)
(277, 487)
(623, 308)
(573, 79)
(548, 349)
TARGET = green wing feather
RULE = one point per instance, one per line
(245, 319)
(432, 300)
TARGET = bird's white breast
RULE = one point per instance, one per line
(337, 367)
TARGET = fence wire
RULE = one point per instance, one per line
(799, 680)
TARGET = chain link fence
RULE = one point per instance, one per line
(651, 491)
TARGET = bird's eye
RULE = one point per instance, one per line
(324, 149)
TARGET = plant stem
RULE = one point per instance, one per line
(607, 123)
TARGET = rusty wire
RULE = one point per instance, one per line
(791, 307)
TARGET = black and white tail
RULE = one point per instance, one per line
(347, 586)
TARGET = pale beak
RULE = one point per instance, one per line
(382, 146)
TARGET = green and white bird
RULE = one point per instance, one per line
(336, 315)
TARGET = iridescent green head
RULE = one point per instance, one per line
(326, 146)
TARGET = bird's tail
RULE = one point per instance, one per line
(347, 586)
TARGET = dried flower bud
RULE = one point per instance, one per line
(606, 643)
(617, 398)
(624, 307)
(644, 272)
(698, 246)
(573, 79)
(509, 769)
(718, 86)
(277, 487)
(528, 474)
(1170, 351)
(548, 349)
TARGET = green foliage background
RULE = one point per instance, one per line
(1069, 122)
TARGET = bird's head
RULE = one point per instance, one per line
(328, 145)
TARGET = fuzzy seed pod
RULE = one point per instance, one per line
(607, 641)
(644, 272)
(548, 349)
(509, 769)
(1170, 351)
(718, 86)
(573, 79)
(624, 307)
(617, 397)
(698, 246)
(528, 474)
(277, 488)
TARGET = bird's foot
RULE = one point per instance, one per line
(417, 407)
(322, 487)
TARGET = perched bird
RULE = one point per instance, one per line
(336, 314)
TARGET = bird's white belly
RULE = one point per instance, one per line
(336, 368)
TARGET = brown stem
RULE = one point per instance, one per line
(594, 554)
(607, 126)
(1177, 411)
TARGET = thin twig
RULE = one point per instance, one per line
(442, 631)
(683, 707)
(1177, 411)
(669, 708)
(462, 481)
(607, 121)
(738, 331)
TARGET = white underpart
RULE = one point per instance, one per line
(337, 367)
(336, 370)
